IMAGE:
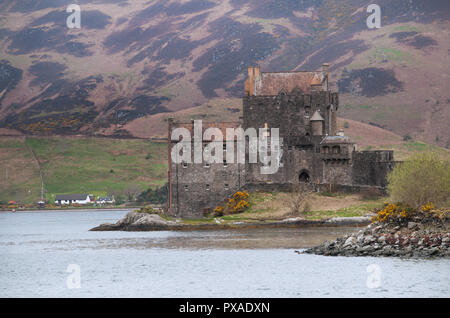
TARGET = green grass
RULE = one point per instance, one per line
(84, 165)
(406, 149)
(352, 211)
(391, 54)
(409, 28)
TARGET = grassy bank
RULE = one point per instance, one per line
(78, 165)
(274, 206)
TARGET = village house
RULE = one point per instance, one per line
(69, 199)
(105, 200)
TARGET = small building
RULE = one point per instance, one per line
(105, 200)
(68, 199)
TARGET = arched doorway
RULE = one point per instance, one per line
(304, 176)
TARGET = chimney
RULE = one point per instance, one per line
(253, 74)
(325, 69)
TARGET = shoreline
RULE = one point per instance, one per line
(69, 210)
(142, 222)
(418, 238)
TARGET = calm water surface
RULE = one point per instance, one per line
(36, 249)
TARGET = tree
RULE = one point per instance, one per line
(155, 196)
(302, 192)
(423, 178)
(132, 191)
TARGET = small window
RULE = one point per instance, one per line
(225, 163)
(186, 188)
(207, 165)
(227, 187)
(336, 149)
(207, 187)
(185, 165)
(224, 146)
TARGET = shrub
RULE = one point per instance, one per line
(147, 209)
(298, 204)
(407, 137)
(400, 213)
(238, 203)
(423, 178)
(393, 213)
(155, 196)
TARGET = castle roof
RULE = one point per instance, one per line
(337, 140)
(269, 84)
(316, 117)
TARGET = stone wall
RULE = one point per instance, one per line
(371, 167)
(197, 188)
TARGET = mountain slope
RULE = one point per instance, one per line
(134, 60)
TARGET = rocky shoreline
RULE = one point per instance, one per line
(135, 221)
(419, 239)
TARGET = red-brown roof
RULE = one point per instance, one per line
(269, 84)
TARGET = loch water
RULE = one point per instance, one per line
(52, 253)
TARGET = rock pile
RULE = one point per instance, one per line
(412, 239)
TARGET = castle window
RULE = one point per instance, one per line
(184, 164)
(336, 149)
(207, 165)
(224, 146)
(227, 186)
(225, 163)
(186, 188)
(307, 110)
(207, 187)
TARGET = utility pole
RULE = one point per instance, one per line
(42, 189)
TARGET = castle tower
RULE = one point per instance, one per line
(317, 123)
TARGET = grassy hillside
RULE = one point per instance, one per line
(78, 165)
(134, 59)
(102, 166)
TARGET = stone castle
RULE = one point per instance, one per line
(304, 109)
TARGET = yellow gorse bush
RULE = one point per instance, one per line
(427, 207)
(399, 212)
(391, 212)
(236, 204)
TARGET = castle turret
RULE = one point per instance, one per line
(317, 122)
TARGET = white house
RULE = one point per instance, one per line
(68, 199)
(105, 200)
